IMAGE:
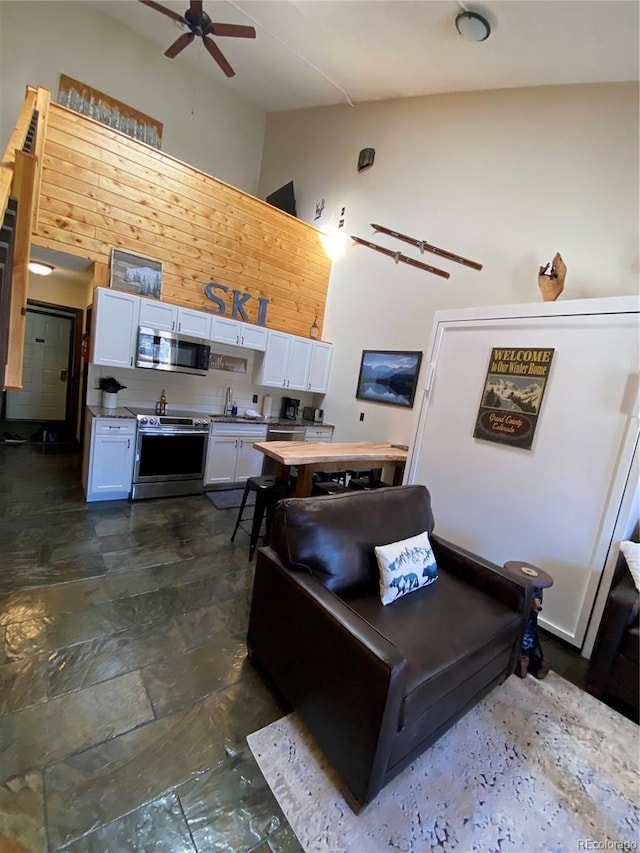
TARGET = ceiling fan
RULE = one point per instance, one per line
(201, 25)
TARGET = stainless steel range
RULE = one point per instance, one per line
(171, 453)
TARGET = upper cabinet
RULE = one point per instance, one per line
(320, 367)
(287, 363)
(115, 328)
(226, 331)
(172, 318)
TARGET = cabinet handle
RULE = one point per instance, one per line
(173, 325)
(242, 339)
(128, 444)
(179, 327)
(131, 361)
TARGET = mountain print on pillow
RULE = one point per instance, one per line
(405, 566)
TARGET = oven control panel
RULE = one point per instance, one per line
(157, 422)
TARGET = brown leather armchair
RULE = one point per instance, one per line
(614, 666)
(376, 685)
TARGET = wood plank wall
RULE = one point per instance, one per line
(100, 189)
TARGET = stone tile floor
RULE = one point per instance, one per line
(125, 694)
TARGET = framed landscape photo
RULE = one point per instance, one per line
(135, 274)
(389, 377)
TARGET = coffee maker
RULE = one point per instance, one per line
(290, 408)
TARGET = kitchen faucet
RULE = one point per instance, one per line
(228, 397)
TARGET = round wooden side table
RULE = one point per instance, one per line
(531, 655)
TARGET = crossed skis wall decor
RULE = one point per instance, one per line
(422, 245)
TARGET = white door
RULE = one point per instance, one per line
(556, 504)
(299, 361)
(158, 315)
(44, 374)
(276, 357)
(195, 323)
(320, 367)
(225, 331)
(115, 328)
(249, 462)
(221, 459)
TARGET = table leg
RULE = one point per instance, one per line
(398, 474)
(305, 482)
(283, 472)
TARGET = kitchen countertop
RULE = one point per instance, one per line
(120, 412)
(100, 412)
(238, 419)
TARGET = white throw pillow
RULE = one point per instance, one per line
(405, 566)
(631, 551)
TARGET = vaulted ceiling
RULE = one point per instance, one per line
(312, 53)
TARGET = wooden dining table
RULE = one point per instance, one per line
(311, 456)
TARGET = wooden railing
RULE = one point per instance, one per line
(20, 179)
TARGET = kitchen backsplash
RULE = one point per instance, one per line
(198, 393)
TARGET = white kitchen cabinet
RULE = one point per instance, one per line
(321, 354)
(197, 324)
(227, 331)
(231, 457)
(158, 315)
(286, 362)
(173, 318)
(114, 328)
(111, 452)
(319, 433)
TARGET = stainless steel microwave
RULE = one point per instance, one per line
(161, 350)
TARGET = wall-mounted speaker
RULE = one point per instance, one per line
(366, 158)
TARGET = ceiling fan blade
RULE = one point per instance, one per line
(234, 30)
(218, 55)
(196, 7)
(168, 12)
(179, 44)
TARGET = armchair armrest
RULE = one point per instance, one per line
(620, 611)
(344, 678)
(492, 579)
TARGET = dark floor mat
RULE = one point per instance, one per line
(230, 498)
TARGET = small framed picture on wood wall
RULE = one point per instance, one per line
(135, 274)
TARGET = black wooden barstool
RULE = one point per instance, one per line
(268, 490)
(328, 487)
(366, 479)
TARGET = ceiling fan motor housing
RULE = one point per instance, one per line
(200, 25)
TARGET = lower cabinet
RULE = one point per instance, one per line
(231, 457)
(109, 470)
(319, 433)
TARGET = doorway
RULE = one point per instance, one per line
(51, 372)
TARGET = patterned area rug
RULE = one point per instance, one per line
(537, 765)
(230, 498)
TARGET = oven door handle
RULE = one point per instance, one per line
(168, 432)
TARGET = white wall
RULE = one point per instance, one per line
(506, 178)
(41, 40)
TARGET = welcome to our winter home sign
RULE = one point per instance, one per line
(512, 395)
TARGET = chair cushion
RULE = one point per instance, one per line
(405, 566)
(470, 628)
(333, 537)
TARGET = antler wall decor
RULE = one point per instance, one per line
(551, 281)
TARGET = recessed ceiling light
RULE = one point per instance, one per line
(472, 26)
(38, 268)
